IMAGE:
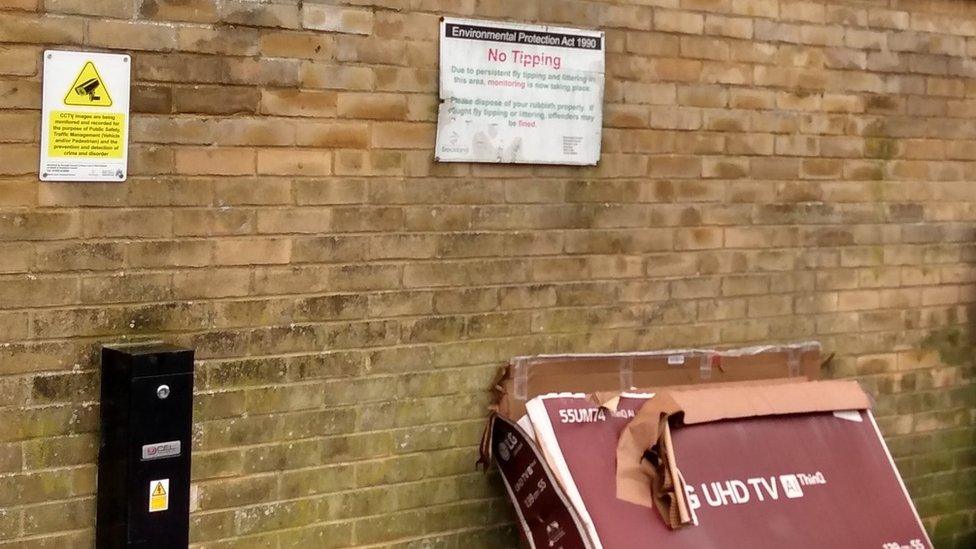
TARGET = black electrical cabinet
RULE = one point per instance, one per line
(144, 455)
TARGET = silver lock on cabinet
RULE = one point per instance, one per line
(162, 392)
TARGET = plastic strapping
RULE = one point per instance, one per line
(705, 366)
(793, 361)
(520, 376)
(627, 373)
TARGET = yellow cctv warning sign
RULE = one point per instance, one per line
(88, 90)
(85, 116)
(158, 495)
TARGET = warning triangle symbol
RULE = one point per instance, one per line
(159, 491)
(88, 90)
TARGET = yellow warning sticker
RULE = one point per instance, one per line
(158, 495)
(86, 135)
(88, 89)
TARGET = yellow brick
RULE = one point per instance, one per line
(18, 193)
(215, 161)
(337, 19)
(297, 45)
(298, 103)
(252, 251)
(131, 35)
(733, 27)
(334, 134)
(279, 15)
(19, 60)
(858, 300)
(300, 220)
(26, 5)
(759, 8)
(372, 105)
(676, 21)
(394, 135)
(17, 27)
(321, 75)
(223, 41)
(254, 131)
(179, 10)
(294, 162)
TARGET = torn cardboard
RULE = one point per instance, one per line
(648, 435)
(578, 440)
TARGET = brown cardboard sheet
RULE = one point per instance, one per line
(733, 401)
(647, 436)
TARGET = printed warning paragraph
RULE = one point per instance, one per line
(90, 135)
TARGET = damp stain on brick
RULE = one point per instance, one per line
(880, 103)
(906, 212)
(663, 191)
(230, 39)
(149, 8)
(798, 212)
(691, 216)
(880, 147)
(834, 237)
(874, 172)
(48, 387)
(955, 348)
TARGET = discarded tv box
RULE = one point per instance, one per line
(767, 459)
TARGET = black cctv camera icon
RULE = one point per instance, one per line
(88, 88)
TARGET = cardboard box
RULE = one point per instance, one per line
(527, 377)
(546, 515)
(771, 464)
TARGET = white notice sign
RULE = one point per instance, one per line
(85, 119)
(516, 93)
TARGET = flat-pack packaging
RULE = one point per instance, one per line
(527, 377)
(763, 460)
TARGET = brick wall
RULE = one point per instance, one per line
(773, 170)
